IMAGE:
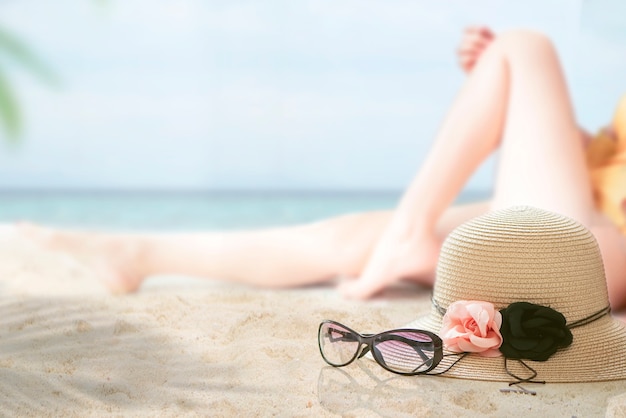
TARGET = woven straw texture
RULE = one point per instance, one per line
(528, 254)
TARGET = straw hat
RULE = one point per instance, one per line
(528, 254)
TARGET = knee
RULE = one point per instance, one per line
(525, 39)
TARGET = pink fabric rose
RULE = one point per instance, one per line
(471, 326)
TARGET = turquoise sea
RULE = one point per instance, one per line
(188, 211)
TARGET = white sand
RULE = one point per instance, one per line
(192, 347)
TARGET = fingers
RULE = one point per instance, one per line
(481, 30)
(475, 40)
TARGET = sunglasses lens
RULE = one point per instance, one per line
(405, 351)
(338, 345)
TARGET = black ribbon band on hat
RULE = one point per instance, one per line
(440, 309)
(591, 318)
(539, 320)
(579, 323)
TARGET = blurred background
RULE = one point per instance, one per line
(216, 114)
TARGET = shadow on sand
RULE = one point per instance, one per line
(65, 354)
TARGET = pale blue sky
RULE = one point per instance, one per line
(335, 94)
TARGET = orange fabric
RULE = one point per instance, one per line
(606, 159)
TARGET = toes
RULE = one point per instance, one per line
(360, 289)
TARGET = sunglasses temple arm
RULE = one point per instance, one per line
(421, 354)
(423, 363)
(380, 358)
(345, 336)
(415, 345)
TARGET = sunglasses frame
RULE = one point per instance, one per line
(367, 343)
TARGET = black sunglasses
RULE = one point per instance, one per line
(402, 351)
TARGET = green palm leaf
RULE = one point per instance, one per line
(16, 50)
(9, 110)
(22, 54)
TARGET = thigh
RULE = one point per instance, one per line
(542, 160)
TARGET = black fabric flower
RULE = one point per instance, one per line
(532, 332)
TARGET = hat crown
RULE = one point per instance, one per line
(523, 254)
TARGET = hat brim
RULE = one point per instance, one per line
(597, 353)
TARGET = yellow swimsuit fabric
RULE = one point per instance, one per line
(606, 159)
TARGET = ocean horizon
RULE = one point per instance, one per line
(192, 209)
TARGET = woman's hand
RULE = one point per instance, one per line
(609, 132)
(475, 40)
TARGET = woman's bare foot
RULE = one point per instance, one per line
(115, 258)
(396, 257)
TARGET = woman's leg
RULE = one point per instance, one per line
(410, 238)
(542, 162)
(281, 257)
(516, 95)
(277, 257)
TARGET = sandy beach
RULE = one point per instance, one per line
(189, 347)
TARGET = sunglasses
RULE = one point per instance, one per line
(402, 351)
